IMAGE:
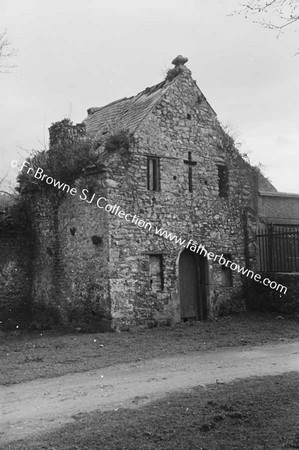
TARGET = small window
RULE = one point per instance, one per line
(156, 273)
(226, 272)
(153, 174)
(222, 180)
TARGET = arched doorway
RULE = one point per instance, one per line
(192, 282)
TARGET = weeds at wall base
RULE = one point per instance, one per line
(261, 298)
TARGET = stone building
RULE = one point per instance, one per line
(137, 238)
(169, 166)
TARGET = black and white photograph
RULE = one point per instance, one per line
(149, 225)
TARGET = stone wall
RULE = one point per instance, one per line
(70, 283)
(15, 280)
(278, 207)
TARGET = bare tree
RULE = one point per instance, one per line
(6, 53)
(272, 14)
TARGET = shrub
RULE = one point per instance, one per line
(65, 161)
(173, 73)
(122, 139)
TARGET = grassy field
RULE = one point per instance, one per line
(29, 356)
(255, 413)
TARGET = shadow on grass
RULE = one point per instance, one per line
(255, 413)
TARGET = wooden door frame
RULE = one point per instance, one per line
(202, 306)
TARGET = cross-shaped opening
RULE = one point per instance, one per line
(190, 163)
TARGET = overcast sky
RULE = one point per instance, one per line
(73, 55)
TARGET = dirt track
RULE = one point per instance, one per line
(41, 405)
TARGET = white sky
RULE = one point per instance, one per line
(73, 55)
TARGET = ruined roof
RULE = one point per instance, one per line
(126, 113)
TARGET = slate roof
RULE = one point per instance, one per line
(126, 113)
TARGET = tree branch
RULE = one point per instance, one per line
(6, 52)
(286, 11)
(274, 15)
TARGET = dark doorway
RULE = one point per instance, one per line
(193, 280)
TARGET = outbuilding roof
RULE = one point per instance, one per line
(126, 113)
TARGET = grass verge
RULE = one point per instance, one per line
(26, 356)
(255, 413)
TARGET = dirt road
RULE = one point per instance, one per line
(41, 405)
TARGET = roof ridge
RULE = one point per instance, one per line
(94, 109)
